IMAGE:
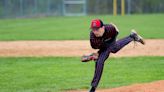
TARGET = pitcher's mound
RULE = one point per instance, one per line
(157, 86)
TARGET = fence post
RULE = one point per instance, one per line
(36, 7)
(48, 7)
(129, 6)
(5, 8)
(21, 7)
(122, 7)
(114, 7)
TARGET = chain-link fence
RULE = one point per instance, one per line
(28, 8)
(131, 6)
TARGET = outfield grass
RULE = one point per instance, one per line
(77, 28)
(55, 74)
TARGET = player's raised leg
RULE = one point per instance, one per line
(123, 42)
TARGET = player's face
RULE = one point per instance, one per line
(98, 32)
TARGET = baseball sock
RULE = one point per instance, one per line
(92, 89)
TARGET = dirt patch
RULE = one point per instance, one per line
(75, 48)
(157, 86)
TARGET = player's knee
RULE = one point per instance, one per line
(114, 49)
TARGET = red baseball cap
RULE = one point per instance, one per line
(96, 23)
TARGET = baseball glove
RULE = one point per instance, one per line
(87, 58)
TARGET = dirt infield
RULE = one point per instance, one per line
(157, 86)
(74, 48)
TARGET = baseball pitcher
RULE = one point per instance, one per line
(103, 37)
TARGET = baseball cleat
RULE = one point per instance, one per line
(137, 37)
(92, 89)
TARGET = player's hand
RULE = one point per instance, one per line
(87, 58)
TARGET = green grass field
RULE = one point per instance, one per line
(77, 28)
(55, 74)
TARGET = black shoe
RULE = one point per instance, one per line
(137, 37)
(92, 89)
